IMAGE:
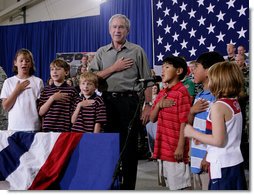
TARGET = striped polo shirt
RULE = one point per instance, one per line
(58, 117)
(169, 123)
(198, 150)
(90, 115)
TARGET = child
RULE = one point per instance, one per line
(171, 109)
(69, 82)
(151, 128)
(56, 103)
(198, 86)
(20, 94)
(90, 112)
(197, 118)
(190, 86)
(224, 128)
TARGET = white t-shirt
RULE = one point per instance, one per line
(23, 116)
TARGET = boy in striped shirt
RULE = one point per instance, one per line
(56, 103)
(90, 112)
(197, 118)
(171, 108)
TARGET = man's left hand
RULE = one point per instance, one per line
(145, 114)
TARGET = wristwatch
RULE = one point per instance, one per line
(149, 103)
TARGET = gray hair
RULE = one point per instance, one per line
(127, 21)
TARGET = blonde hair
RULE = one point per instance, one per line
(89, 76)
(225, 80)
(194, 62)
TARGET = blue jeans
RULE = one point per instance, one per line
(151, 129)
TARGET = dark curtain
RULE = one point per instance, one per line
(87, 34)
(45, 39)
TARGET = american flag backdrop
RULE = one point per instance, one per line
(189, 28)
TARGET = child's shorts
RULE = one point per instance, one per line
(233, 178)
(177, 175)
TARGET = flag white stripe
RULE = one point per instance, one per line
(4, 139)
(32, 161)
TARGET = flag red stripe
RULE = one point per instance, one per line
(56, 161)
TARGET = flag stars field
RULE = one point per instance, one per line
(210, 26)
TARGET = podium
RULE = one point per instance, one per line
(92, 164)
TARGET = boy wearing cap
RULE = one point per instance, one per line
(171, 108)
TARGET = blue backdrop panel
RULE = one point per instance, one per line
(92, 163)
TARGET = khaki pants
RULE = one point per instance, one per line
(200, 181)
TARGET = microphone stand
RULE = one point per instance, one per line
(141, 100)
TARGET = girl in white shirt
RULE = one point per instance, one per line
(20, 93)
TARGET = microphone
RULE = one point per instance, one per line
(154, 79)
